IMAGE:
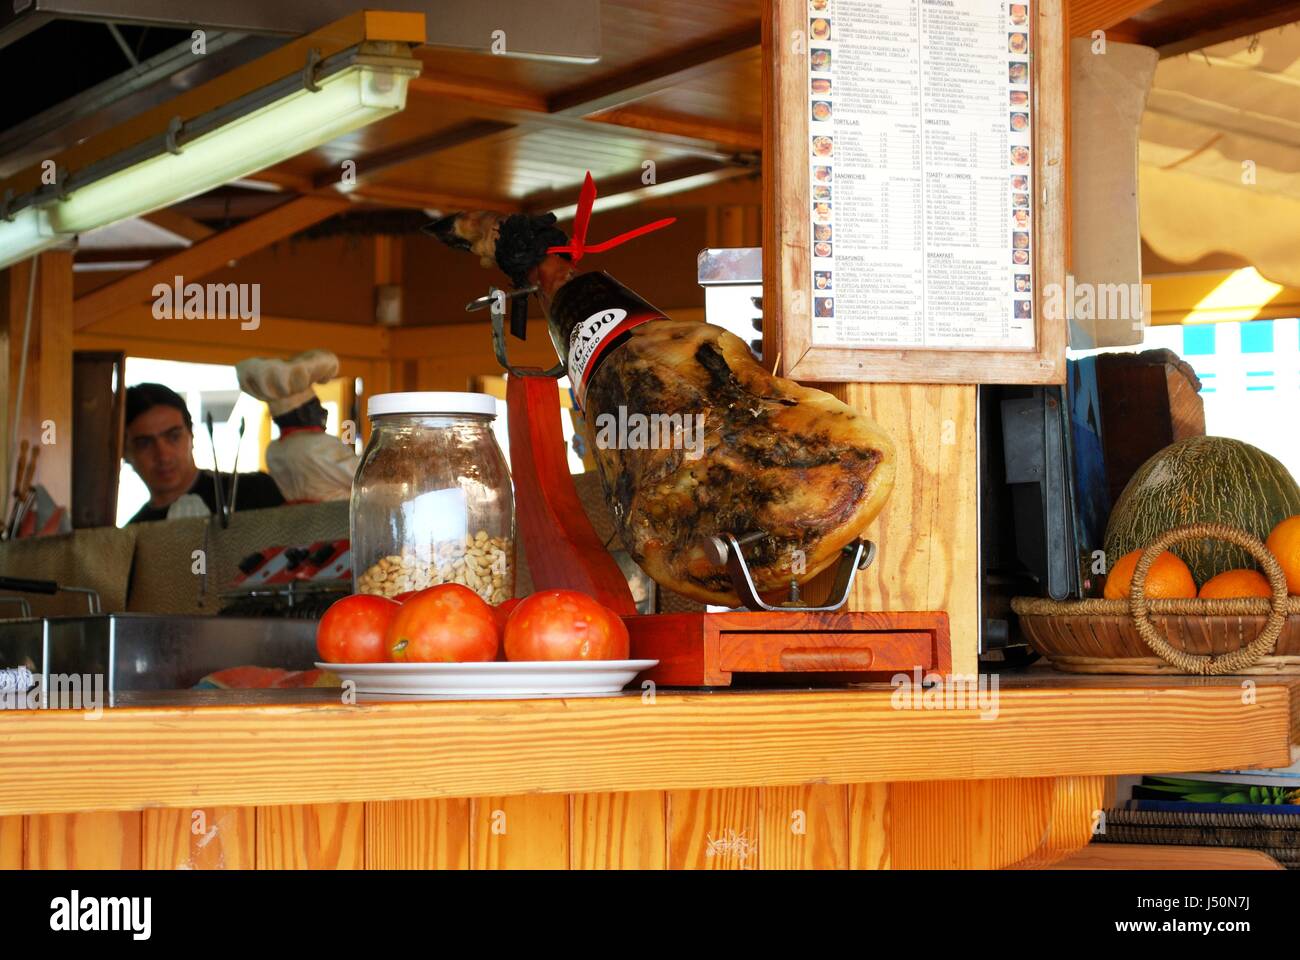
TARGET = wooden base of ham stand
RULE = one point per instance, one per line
(693, 649)
(705, 649)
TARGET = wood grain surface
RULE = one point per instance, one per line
(138, 757)
(212, 838)
(518, 833)
(316, 836)
(928, 534)
(618, 831)
(83, 841)
(1023, 822)
(417, 834)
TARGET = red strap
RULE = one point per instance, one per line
(305, 428)
(582, 218)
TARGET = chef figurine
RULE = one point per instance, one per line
(307, 464)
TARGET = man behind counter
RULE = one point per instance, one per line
(160, 448)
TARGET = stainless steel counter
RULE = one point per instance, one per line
(134, 652)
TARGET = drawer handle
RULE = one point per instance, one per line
(810, 658)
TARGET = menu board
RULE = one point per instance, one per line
(921, 177)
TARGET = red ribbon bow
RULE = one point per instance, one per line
(578, 245)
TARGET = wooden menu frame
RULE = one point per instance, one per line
(787, 192)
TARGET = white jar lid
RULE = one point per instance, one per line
(382, 404)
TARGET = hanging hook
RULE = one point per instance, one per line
(496, 300)
(309, 71)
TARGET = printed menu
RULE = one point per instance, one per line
(920, 165)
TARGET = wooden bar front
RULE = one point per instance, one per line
(859, 778)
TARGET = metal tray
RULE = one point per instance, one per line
(155, 652)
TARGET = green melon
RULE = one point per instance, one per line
(1203, 480)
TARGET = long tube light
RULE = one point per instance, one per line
(299, 120)
(27, 233)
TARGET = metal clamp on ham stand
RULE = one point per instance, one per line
(726, 551)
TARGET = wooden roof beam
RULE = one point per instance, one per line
(681, 125)
(372, 164)
(1084, 16)
(629, 188)
(1218, 26)
(522, 108)
(644, 79)
(179, 224)
(205, 256)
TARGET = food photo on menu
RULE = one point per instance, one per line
(1020, 200)
(821, 231)
(822, 279)
(821, 249)
(1021, 219)
(1020, 240)
(822, 211)
(821, 193)
(1018, 71)
(1019, 122)
(1022, 283)
(819, 29)
(821, 59)
(1020, 257)
(1020, 156)
(1019, 182)
(1017, 42)
(822, 174)
(821, 110)
(825, 306)
(1019, 13)
(823, 146)
(820, 5)
(1023, 310)
(1019, 98)
(821, 86)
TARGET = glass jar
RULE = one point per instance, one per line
(432, 501)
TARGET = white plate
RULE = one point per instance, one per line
(494, 680)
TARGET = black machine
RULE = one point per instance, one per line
(1037, 531)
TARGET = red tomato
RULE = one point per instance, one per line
(503, 611)
(448, 623)
(564, 625)
(354, 629)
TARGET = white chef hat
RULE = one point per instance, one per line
(286, 384)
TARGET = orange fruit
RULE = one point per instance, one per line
(1236, 583)
(1284, 542)
(1168, 578)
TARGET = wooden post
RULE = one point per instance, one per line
(47, 389)
(51, 364)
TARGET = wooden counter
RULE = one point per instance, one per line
(724, 779)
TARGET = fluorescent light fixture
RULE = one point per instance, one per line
(27, 233)
(300, 120)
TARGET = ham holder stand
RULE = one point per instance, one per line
(764, 643)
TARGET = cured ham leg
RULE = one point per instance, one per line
(691, 436)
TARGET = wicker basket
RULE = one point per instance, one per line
(1250, 635)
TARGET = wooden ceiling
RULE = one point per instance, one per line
(677, 84)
